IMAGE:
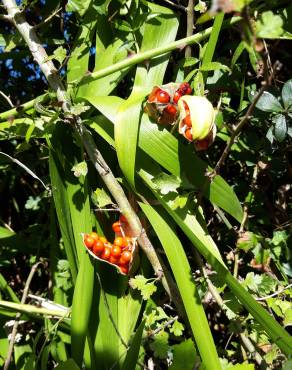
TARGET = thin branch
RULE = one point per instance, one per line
(22, 108)
(247, 203)
(152, 53)
(274, 294)
(7, 98)
(177, 6)
(245, 119)
(251, 349)
(190, 26)
(26, 169)
(152, 333)
(38, 52)
(16, 322)
(47, 20)
(5, 17)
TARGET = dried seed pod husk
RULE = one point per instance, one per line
(156, 110)
(202, 115)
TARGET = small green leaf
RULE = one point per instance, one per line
(154, 315)
(287, 365)
(141, 283)
(101, 198)
(177, 328)
(242, 367)
(160, 345)
(78, 6)
(184, 356)
(166, 183)
(288, 317)
(79, 108)
(287, 94)
(59, 54)
(280, 127)
(201, 7)
(33, 203)
(269, 103)
(80, 169)
(247, 241)
(214, 66)
(68, 365)
(269, 26)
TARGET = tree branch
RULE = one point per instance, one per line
(190, 26)
(38, 52)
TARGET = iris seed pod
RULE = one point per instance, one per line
(200, 112)
(161, 104)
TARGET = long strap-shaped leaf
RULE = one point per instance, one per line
(198, 238)
(189, 293)
(167, 150)
(71, 196)
(162, 32)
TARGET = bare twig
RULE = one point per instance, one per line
(15, 326)
(245, 119)
(177, 6)
(26, 169)
(247, 203)
(152, 333)
(7, 98)
(274, 294)
(38, 52)
(251, 349)
(47, 20)
(5, 17)
(190, 26)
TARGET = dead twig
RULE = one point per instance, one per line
(16, 322)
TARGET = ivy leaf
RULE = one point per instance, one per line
(59, 54)
(166, 183)
(177, 328)
(280, 127)
(80, 169)
(247, 241)
(156, 314)
(288, 317)
(100, 198)
(269, 26)
(287, 94)
(141, 283)
(266, 285)
(33, 203)
(269, 103)
(160, 345)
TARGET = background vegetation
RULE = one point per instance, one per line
(211, 288)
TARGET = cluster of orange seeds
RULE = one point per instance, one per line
(118, 253)
(162, 102)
